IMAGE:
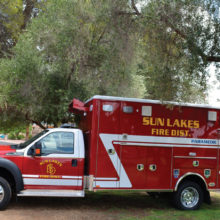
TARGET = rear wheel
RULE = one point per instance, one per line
(189, 196)
(5, 193)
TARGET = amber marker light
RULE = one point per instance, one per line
(37, 151)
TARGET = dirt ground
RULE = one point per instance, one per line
(98, 206)
(94, 206)
(49, 208)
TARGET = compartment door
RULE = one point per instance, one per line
(147, 164)
(108, 150)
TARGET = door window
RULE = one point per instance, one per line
(58, 142)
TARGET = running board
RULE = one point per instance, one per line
(51, 193)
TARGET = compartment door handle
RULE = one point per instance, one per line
(140, 167)
(152, 167)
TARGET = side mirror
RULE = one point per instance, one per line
(37, 149)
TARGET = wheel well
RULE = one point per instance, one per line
(9, 177)
(196, 179)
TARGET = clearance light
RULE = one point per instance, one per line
(212, 116)
(146, 111)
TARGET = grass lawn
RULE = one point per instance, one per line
(138, 205)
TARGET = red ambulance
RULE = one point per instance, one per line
(121, 144)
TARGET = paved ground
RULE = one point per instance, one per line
(8, 142)
(5, 143)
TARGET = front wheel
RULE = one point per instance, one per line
(5, 193)
(189, 196)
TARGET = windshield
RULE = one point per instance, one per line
(26, 143)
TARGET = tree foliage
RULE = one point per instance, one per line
(71, 48)
(14, 16)
(180, 39)
(84, 51)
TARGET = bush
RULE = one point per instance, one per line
(15, 136)
(16, 133)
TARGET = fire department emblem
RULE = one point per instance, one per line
(51, 169)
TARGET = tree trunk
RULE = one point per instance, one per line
(27, 132)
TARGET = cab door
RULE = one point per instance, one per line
(60, 166)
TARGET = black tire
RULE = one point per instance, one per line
(189, 196)
(5, 193)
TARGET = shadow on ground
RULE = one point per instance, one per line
(100, 200)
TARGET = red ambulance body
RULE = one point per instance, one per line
(132, 144)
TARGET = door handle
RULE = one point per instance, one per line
(111, 151)
(152, 167)
(74, 163)
(140, 167)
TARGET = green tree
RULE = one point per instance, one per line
(14, 16)
(180, 38)
(86, 50)
(80, 48)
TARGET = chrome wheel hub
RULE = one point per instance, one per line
(189, 197)
(2, 193)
